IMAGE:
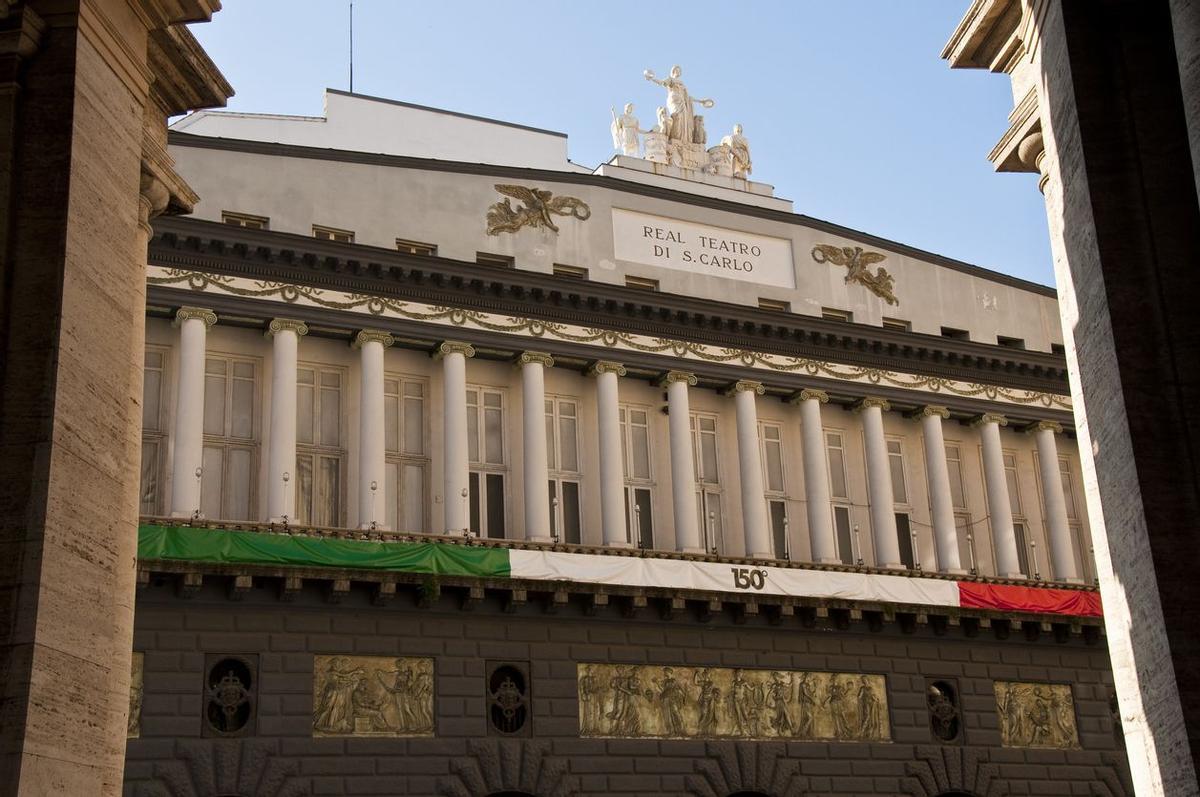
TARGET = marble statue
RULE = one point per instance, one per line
(680, 104)
(625, 130)
(739, 148)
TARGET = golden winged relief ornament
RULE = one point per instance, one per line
(540, 208)
(880, 283)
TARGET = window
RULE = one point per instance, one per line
(635, 453)
(499, 261)
(1010, 343)
(508, 699)
(1020, 528)
(904, 537)
(562, 456)
(777, 305)
(896, 463)
(845, 538)
(956, 334)
(574, 272)
(831, 314)
(415, 247)
(333, 234)
(489, 471)
(245, 220)
(230, 691)
(1059, 349)
(230, 438)
(1082, 557)
(319, 451)
(958, 498)
(641, 283)
(709, 502)
(154, 445)
(898, 324)
(771, 437)
(406, 453)
(836, 456)
(966, 542)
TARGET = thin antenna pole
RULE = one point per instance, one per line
(351, 46)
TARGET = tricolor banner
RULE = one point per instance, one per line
(222, 546)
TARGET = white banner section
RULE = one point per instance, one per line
(634, 571)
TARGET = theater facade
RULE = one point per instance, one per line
(468, 470)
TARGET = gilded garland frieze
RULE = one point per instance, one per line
(1036, 715)
(372, 696)
(539, 210)
(643, 701)
(594, 336)
(856, 261)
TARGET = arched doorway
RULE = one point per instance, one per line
(749, 794)
(511, 794)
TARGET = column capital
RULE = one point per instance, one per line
(540, 357)
(989, 417)
(448, 347)
(278, 325)
(928, 411)
(606, 367)
(808, 393)
(1041, 426)
(745, 386)
(671, 377)
(366, 336)
(866, 402)
(204, 314)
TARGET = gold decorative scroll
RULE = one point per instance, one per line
(650, 701)
(372, 696)
(1036, 715)
(135, 695)
(539, 210)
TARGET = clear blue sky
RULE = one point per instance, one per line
(849, 110)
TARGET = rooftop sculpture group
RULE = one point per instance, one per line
(679, 138)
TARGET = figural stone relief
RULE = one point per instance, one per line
(1036, 715)
(135, 696)
(538, 212)
(856, 261)
(650, 701)
(372, 696)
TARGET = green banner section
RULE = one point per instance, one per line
(191, 544)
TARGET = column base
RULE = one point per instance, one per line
(763, 555)
(1075, 581)
(893, 566)
(619, 544)
(829, 561)
(189, 515)
(958, 571)
(543, 539)
(1015, 576)
(697, 551)
(378, 527)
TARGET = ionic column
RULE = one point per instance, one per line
(1062, 556)
(754, 501)
(537, 471)
(372, 463)
(193, 323)
(612, 477)
(281, 457)
(879, 484)
(1008, 562)
(816, 476)
(683, 468)
(941, 509)
(455, 454)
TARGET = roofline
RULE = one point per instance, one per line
(459, 114)
(580, 178)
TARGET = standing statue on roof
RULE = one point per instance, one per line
(680, 105)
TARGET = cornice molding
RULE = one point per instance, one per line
(193, 245)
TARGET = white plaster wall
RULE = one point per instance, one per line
(383, 203)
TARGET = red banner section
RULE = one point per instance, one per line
(1034, 600)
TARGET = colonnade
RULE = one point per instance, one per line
(194, 322)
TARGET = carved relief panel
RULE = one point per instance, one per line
(1036, 715)
(372, 696)
(135, 696)
(640, 701)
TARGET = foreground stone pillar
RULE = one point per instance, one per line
(612, 471)
(281, 458)
(683, 467)
(945, 531)
(817, 497)
(85, 90)
(456, 465)
(879, 484)
(754, 501)
(372, 460)
(534, 452)
(186, 471)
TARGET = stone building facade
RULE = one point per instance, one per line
(638, 484)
